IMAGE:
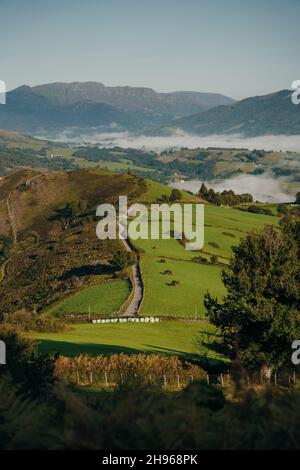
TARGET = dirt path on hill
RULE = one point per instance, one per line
(11, 218)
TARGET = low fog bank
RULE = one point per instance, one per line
(264, 188)
(177, 140)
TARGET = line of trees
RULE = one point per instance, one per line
(225, 197)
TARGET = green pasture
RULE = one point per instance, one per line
(102, 299)
(189, 340)
(223, 228)
(185, 298)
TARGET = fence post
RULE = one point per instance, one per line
(91, 378)
(165, 381)
(178, 381)
(207, 378)
(106, 381)
(222, 381)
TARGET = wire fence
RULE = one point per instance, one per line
(180, 380)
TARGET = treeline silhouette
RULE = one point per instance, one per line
(223, 198)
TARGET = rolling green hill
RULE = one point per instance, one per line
(51, 256)
(164, 261)
(47, 226)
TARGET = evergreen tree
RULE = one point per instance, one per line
(203, 192)
(259, 317)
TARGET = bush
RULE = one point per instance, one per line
(175, 195)
(214, 244)
(123, 259)
(123, 367)
(214, 259)
(31, 371)
(256, 210)
(27, 321)
(282, 210)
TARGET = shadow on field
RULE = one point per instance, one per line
(74, 349)
(207, 363)
(88, 270)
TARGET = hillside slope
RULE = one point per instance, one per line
(260, 115)
(29, 112)
(48, 244)
(56, 106)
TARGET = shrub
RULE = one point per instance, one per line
(123, 259)
(214, 244)
(175, 195)
(214, 259)
(27, 321)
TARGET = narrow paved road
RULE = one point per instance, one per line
(134, 304)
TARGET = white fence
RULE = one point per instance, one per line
(127, 320)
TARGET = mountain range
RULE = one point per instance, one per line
(63, 105)
(90, 106)
(259, 115)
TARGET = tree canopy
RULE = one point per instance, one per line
(260, 316)
(226, 197)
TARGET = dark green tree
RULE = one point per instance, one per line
(175, 195)
(5, 246)
(203, 192)
(259, 317)
(123, 259)
(282, 210)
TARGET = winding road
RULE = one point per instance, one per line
(137, 295)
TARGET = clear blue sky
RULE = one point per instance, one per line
(236, 47)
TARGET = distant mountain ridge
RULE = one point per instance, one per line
(133, 98)
(259, 115)
(58, 106)
(91, 106)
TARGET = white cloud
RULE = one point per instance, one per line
(177, 140)
(264, 188)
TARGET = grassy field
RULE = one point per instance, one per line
(156, 190)
(184, 299)
(223, 228)
(111, 166)
(166, 337)
(102, 299)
